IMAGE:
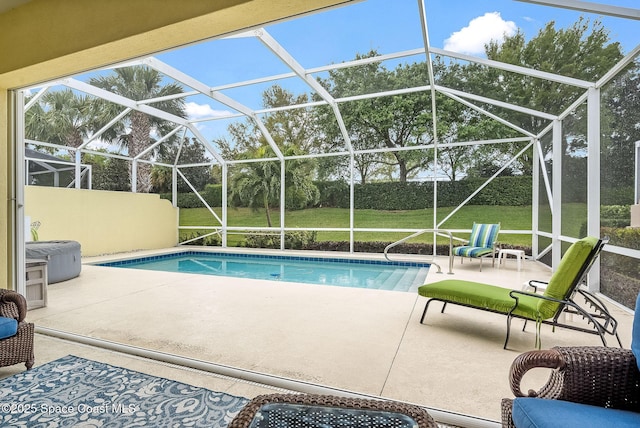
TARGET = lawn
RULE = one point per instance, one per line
(510, 217)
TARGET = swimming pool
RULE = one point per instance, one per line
(372, 274)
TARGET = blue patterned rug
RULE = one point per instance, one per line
(74, 392)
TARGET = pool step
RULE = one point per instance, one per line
(419, 279)
(412, 278)
(382, 278)
(399, 280)
(392, 280)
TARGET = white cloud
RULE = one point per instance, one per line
(200, 111)
(480, 31)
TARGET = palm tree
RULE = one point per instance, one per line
(60, 117)
(257, 184)
(135, 130)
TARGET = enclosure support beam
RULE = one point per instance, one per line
(535, 200)
(290, 61)
(282, 201)
(77, 171)
(225, 179)
(134, 176)
(195, 192)
(483, 185)
(590, 7)
(544, 173)
(593, 179)
(351, 201)
(427, 46)
(104, 128)
(174, 186)
(556, 201)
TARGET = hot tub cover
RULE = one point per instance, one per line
(63, 258)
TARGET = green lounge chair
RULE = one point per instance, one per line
(542, 308)
(482, 243)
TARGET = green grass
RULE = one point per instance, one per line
(516, 218)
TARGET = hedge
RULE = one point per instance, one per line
(507, 191)
(617, 196)
(620, 275)
(212, 193)
(512, 191)
(611, 216)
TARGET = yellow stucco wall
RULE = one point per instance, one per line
(44, 39)
(103, 222)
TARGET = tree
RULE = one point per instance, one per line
(257, 184)
(573, 52)
(396, 121)
(300, 191)
(458, 123)
(290, 128)
(582, 51)
(287, 128)
(108, 173)
(59, 117)
(620, 112)
(190, 152)
(136, 129)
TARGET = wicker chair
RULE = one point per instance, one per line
(19, 347)
(593, 375)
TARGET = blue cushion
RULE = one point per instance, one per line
(8, 327)
(544, 413)
(483, 235)
(483, 238)
(471, 251)
(635, 338)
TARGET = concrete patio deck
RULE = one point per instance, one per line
(365, 341)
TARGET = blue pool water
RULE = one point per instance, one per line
(373, 274)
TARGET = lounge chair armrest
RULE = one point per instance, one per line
(513, 294)
(593, 375)
(534, 283)
(568, 303)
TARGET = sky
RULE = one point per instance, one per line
(385, 26)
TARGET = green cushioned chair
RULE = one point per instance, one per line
(544, 308)
(482, 243)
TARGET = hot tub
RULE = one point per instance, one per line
(63, 258)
